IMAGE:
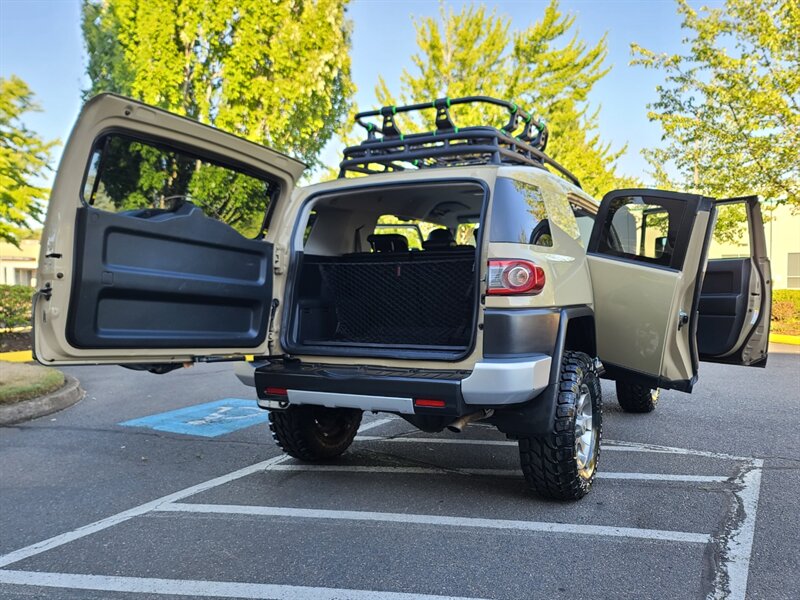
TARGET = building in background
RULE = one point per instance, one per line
(18, 265)
(782, 230)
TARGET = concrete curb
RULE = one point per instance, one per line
(782, 338)
(67, 395)
(18, 356)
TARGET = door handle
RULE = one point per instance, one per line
(683, 319)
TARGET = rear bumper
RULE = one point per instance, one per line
(491, 383)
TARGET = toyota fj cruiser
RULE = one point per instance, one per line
(466, 277)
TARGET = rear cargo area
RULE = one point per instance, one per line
(362, 283)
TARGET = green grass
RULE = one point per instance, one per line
(19, 381)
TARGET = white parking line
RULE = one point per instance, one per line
(515, 473)
(357, 515)
(218, 589)
(70, 536)
(608, 446)
(731, 579)
(730, 582)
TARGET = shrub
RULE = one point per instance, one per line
(786, 312)
(15, 306)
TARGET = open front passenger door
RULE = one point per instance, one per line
(647, 258)
(155, 247)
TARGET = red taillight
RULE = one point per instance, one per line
(507, 277)
(273, 391)
(428, 403)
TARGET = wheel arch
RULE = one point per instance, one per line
(535, 416)
(580, 332)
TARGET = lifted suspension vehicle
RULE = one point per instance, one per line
(465, 275)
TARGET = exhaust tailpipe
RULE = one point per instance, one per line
(461, 423)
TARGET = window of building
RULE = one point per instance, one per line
(793, 271)
(24, 276)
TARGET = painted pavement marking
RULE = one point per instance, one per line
(211, 419)
(730, 579)
(438, 520)
(76, 534)
(511, 473)
(194, 588)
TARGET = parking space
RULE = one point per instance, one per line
(409, 515)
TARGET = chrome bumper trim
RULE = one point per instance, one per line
(507, 381)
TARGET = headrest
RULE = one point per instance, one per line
(439, 239)
(440, 235)
(388, 242)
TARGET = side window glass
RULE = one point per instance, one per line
(560, 213)
(143, 179)
(519, 214)
(466, 234)
(644, 229)
(585, 221)
(731, 237)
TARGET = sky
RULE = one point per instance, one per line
(40, 41)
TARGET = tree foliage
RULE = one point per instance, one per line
(24, 157)
(546, 68)
(729, 107)
(277, 73)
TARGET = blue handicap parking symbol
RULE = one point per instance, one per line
(209, 420)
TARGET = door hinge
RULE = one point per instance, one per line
(683, 319)
(278, 259)
(271, 332)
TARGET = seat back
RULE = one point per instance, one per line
(388, 242)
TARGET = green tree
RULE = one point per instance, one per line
(545, 67)
(24, 157)
(729, 107)
(277, 73)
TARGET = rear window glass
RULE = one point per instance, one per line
(519, 214)
(411, 230)
(128, 175)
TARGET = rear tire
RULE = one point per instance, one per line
(635, 398)
(314, 433)
(562, 464)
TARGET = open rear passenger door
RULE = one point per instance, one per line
(154, 247)
(647, 258)
(735, 300)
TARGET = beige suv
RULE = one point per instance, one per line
(460, 279)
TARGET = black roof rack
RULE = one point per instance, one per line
(449, 145)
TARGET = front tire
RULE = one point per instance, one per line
(635, 398)
(314, 433)
(562, 464)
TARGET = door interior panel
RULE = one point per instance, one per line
(723, 305)
(176, 279)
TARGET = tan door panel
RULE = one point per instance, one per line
(122, 259)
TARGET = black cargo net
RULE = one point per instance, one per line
(415, 300)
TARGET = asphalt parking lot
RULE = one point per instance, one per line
(103, 500)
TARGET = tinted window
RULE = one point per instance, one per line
(519, 214)
(126, 174)
(644, 229)
(585, 221)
